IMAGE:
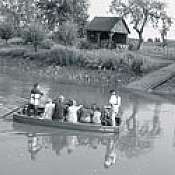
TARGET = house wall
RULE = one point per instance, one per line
(118, 38)
(120, 27)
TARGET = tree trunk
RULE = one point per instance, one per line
(35, 47)
(140, 40)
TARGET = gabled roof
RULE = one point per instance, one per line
(105, 24)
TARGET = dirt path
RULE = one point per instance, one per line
(154, 79)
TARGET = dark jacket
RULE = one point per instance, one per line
(59, 112)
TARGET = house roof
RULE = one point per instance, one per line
(105, 24)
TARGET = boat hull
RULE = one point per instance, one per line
(65, 125)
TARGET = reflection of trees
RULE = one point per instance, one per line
(139, 140)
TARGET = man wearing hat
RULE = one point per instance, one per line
(115, 102)
(35, 97)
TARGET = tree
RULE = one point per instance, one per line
(165, 27)
(67, 33)
(21, 11)
(34, 34)
(139, 12)
(6, 31)
(57, 12)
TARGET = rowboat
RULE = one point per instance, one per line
(88, 127)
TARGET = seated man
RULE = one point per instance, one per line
(96, 116)
(106, 119)
(85, 115)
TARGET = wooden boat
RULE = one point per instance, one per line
(88, 127)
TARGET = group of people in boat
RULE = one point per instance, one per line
(67, 110)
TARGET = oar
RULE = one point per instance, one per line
(11, 112)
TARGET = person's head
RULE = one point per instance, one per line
(36, 85)
(93, 107)
(97, 109)
(113, 92)
(61, 98)
(49, 100)
(74, 103)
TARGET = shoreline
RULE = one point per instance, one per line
(69, 74)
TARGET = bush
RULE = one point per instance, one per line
(47, 44)
(33, 34)
(150, 40)
(16, 41)
(66, 34)
(14, 52)
(6, 31)
(84, 44)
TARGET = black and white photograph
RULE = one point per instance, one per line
(87, 87)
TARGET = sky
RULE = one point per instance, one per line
(101, 8)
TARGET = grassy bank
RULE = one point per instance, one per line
(105, 67)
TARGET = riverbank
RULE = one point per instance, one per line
(94, 68)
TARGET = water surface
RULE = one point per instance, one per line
(147, 146)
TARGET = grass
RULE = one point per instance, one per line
(142, 61)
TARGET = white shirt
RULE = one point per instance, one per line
(72, 114)
(115, 100)
(48, 111)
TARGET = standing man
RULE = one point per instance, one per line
(115, 102)
(60, 109)
(35, 97)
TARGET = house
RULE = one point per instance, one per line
(108, 31)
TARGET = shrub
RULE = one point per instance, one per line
(13, 52)
(84, 44)
(16, 41)
(6, 31)
(47, 44)
(150, 40)
(34, 34)
(66, 34)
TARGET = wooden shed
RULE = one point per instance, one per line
(108, 31)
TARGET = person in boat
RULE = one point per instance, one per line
(84, 115)
(60, 109)
(115, 102)
(106, 119)
(48, 110)
(96, 118)
(72, 112)
(35, 97)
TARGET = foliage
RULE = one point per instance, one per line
(47, 44)
(166, 24)
(150, 40)
(139, 12)
(34, 34)
(6, 31)
(82, 43)
(57, 12)
(67, 33)
(22, 11)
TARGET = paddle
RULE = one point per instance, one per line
(9, 113)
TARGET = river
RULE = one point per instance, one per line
(146, 146)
